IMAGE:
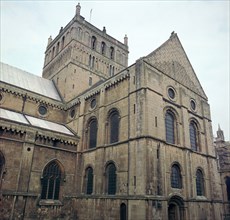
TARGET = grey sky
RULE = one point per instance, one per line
(202, 26)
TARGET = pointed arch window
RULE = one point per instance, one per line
(114, 121)
(111, 179)
(193, 131)
(199, 183)
(51, 179)
(93, 133)
(89, 180)
(170, 127)
(176, 179)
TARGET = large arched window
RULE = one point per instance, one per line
(199, 183)
(51, 179)
(193, 131)
(170, 127)
(227, 182)
(111, 179)
(92, 133)
(176, 179)
(89, 180)
(123, 211)
(114, 120)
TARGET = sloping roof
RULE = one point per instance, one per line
(171, 59)
(28, 81)
(36, 122)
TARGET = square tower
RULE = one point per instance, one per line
(81, 55)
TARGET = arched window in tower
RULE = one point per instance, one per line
(199, 183)
(170, 127)
(227, 182)
(111, 179)
(2, 168)
(123, 211)
(114, 121)
(51, 180)
(103, 48)
(193, 131)
(89, 180)
(57, 48)
(90, 60)
(92, 136)
(93, 42)
(111, 53)
(53, 52)
(63, 42)
(176, 178)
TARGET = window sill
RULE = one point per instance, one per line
(201, 198)
(50, 202)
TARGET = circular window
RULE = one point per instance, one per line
(42, 110)
(1, 97)
(93, 103)
(171, 93)
(193, 105)
(72, 113)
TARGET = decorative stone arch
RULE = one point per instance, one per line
(176, 208)
(73, 32)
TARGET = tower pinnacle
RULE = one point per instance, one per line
(78, 9)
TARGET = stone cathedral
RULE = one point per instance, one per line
(96, 139)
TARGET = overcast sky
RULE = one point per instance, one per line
(202, 27)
